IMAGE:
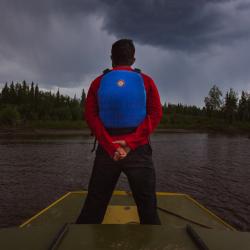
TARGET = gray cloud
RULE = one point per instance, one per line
(243, 6)
(173, 24)
(40, 42)
(192, 25)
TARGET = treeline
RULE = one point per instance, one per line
(230, 108)
(21, 102)
(182, 109)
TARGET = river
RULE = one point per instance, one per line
(214, 169)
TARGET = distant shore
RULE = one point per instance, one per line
(80, 128)
(86, 132)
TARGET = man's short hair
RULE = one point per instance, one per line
(123, 52)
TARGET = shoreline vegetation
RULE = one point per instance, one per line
(80, 128)
(25, 109)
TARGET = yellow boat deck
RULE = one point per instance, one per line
(175, 209)
(54, 228)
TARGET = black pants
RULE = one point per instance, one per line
(139, 169)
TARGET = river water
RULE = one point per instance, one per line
(214, 169)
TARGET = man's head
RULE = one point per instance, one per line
(122, 52)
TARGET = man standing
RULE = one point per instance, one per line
(122, 109)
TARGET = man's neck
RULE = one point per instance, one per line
(121, 66)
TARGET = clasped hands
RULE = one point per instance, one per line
(122, 151)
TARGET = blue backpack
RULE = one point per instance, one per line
(122, 98)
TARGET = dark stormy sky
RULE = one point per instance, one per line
(186, 46)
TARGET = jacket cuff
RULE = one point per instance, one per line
(111, 150)
(130, 144)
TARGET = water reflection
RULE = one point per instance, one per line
(212, 168)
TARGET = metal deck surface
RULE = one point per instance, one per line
(174, 209)
(121, 228)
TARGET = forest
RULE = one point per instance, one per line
(229, 112)
(22, 104)
(25, 105)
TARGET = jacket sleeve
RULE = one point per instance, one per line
(152, 119)
(93, 120)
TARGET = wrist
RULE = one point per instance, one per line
(114, 149)
(130, 145)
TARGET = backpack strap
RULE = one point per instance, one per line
(106, 71)
(94, 146)
(137, 70)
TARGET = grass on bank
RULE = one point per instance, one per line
(178, 121)
(50, 124)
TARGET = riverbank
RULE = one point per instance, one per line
(80, 128)
(68, 132)
(55, 132)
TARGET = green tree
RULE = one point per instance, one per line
(63, 113)
(76, 109)
(9, 115)
(36, 92)
(164, 108)
(36, 97)
(58, 98)
(230, 108)
(213, 101)
(82, 106)
(243, 109)
(5, 93)
(83, 97)
(12, 94)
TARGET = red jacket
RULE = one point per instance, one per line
(135, 139)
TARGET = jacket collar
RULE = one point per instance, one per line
(125, 67)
